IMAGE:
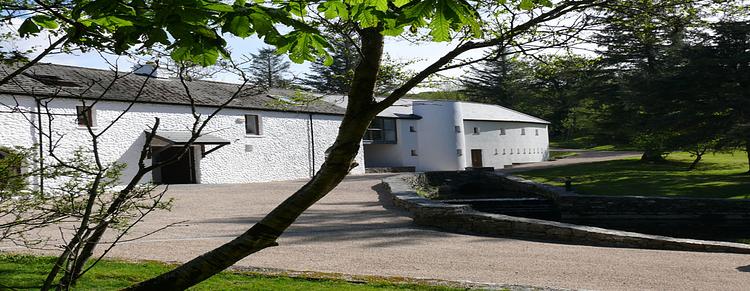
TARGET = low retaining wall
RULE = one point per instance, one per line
(463, 219)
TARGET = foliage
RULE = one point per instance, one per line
(336, 77)
(439, 95)
(12, 178)
(269, 69)
(719, 176)
(26, 272)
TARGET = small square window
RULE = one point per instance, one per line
(502, 131)
(523, 131)
(458, 128)
(412, 129)
(252, 124)
(537, 132)
(476, 130)
(459, 152)
(503, 151)
(413, 153)
(85, 116)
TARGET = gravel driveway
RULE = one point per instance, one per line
(350, 231)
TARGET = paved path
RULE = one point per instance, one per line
(583, 157)
(350, 231)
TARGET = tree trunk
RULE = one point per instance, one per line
(747, 151)
(695, 162)
(653, 156)
(263, 234)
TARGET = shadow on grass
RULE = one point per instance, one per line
(634, 178)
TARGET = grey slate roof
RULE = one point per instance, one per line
(77, 82)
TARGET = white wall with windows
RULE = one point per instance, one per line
(286, 145)
(450, 135)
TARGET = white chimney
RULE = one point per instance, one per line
(147, 69)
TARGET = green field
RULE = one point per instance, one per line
(720, 175)
(26, 272)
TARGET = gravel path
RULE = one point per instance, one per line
(350, 231)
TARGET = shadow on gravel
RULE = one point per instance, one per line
(744, 269)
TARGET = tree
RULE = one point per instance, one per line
(641, 41)
(336, 77)
(496, 81)
(194, 34)
(268, 68)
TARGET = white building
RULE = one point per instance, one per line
(257, 137)
(450, 135)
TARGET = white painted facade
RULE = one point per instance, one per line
(446, 132)
(285, 149)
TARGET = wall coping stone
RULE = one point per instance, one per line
(464, 219)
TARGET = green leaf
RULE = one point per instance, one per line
(240, 26)
(399, 3)
(380, 5)
(219, 7)
(28, 27)
(526, 4)
(440, 26)
(45, 21)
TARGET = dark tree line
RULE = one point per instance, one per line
(664, 79)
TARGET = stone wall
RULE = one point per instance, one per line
(463, 219)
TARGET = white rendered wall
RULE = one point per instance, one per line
(282, 152)
(398, 154)
(437, 137)
(513, 147)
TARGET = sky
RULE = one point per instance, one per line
(422, 54)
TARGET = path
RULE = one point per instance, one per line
(351, 232)
(583, 157)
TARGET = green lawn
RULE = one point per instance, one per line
(586, 143)
(26, 272)
(717, 176)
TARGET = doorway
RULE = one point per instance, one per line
(181, 171)
(476, 158)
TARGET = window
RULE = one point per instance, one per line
(51, 80)
(252, 124)
(85, 116)
(412, 129)
(381, 131)
(459, 152)
(502, 131)
(537, 132)
(476, 130)
(523, 131)
(503, 151)
(413, 153)
(458, 129)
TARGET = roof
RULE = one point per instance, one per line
(491, 112)
(401, 109)
(77, 82)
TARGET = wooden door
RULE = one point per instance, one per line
(476, 158)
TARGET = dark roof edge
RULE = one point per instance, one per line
(514, 121)
(179, 104)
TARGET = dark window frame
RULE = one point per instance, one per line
(86, 120)
(382, 131)
(255, 129)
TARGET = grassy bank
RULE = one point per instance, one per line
(721, 175)
(26, 272)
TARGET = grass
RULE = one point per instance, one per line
(587, 143)
(26, 272)
(720, 175)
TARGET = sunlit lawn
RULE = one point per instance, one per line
(26, 272)
(721, 175)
